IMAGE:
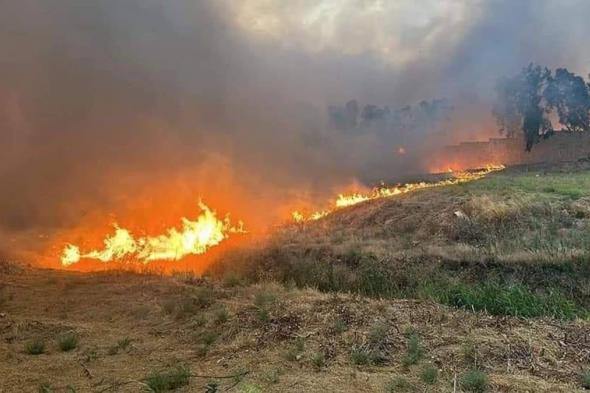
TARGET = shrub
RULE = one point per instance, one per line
(35, 347)
(220, 316)
(474, 381)
(414, 351)
(429, 375)
(360, 356)
(585, 377)
(318, 360)
(67, 342)
(166, 380)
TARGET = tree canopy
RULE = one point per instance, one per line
(525, 102)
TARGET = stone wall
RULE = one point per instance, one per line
(562, 146)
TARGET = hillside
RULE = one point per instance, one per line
(481, 285)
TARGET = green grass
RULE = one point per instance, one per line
(474, 381)
(585, 379)
(35, 347)
(414, 351)
(515, 300)
(429, 375)
(67, 342)
(318, 360)
(399, 384)
(167, 380)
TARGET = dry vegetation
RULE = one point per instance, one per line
(379, 297)
(152, 333)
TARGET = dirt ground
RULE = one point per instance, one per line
(274, 339)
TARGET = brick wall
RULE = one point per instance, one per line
(562, 146)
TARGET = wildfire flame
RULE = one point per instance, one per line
(384, 192)
(195, 237)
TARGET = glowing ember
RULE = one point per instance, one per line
(195, 237)
(384, 192)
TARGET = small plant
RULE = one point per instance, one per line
(264, 299)
(231, 280)
(35, 347)
(294, 353)
(429, 375)
(377, 334)
(166, 380)
(414, 351)
(340, 326)
(67, 342)
(318, 360)
(45, 388)
(469, 351)
(121, 345)
(220, 316)
(474, 381)
(360, 356)
(207, 338)
(585, 377)
(399, 384)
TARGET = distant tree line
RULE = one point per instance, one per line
(409, 120)
(525, 103)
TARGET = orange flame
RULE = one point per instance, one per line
(384, 192)
(195, 237)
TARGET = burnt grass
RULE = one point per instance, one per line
(515, 243)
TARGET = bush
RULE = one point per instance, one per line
(220, 316)
(585, 377)
(166, 380)
(474, 381)
(67, 342)
(429, 375)
(414, 351)
(318, 360)
(35, 347)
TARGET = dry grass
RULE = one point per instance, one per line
(298, 339)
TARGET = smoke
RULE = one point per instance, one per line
(109, 107)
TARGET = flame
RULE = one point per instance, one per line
(384, 192)
(195, 237)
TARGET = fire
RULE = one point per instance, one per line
(384, 192)
(195, 237)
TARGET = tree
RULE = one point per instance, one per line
(520, 105)
(568, 94)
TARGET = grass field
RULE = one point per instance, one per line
(479, 287)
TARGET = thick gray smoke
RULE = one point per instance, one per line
(104, 100)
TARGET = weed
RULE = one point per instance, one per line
(585, 379)
(318, 360)
(166, 380)
(264, 299)
(122, 344)
(207, 338)
(35, 347)
(474, 381)
(360, 356)
(294, 353)
(429, 375)
(414, 351)
(469, 351)
(340, 326)
(399, 384)
(45, 388)
(67, 342)
(220, 316)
